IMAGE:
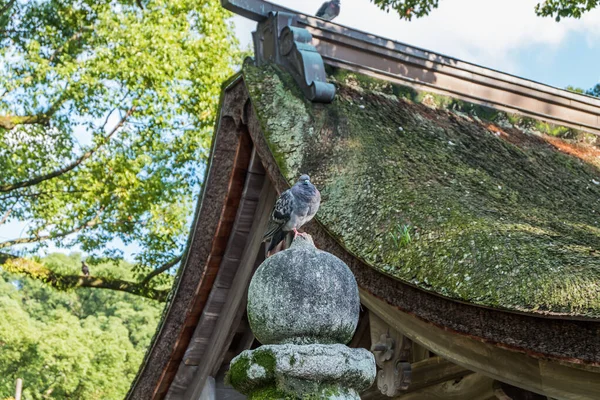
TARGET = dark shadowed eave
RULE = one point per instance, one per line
(463, 201)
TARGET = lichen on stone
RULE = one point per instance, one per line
(303, 295)
(502, 211)
(256, 371)
(328, 392)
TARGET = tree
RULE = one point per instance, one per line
(80, 344)
(72, 279)
(106, 112)
(595, 91)
(565, 8)
(407, 9)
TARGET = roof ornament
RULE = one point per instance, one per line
(303, 306)
(392, 354)
(279, 40)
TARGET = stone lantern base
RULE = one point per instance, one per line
(313, 371)
(302, 304)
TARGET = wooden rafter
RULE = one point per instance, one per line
(237, 294)
(560, 380)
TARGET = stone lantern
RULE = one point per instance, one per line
(303, 306)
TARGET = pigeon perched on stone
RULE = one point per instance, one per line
(294, 207)
(329, 10)
(85, 269)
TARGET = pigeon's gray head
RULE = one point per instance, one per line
(304, 179)
(336, 2)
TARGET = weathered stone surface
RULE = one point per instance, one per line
(296, 371)
(303, 302)
(303, 295)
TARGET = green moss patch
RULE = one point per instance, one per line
(458, 199)
(272, 393)
(252, 370)
(323, 392)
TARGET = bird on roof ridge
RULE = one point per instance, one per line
(329, 10)
(294, 208)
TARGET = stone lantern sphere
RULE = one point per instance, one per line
(303, 296)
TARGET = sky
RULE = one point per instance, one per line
(501, 34)
(505, 35)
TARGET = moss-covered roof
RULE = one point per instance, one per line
(461, 200)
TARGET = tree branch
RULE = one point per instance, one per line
(160, 270)
(73, 165)
(8, 122)
(7, 7)
(19, 196)
(5, 216)
(39, 238)
(35, 270)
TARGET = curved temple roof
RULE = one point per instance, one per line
(456, 199)
(472, 232)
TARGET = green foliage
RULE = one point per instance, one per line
(83, 344)
(575, 89)
(106, 113)
(595, 91)
(155, 289)
(407, 9)
(400, 236)
(565, 8)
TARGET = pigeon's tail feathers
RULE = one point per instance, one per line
(273, 235)
(272, 228)
(278, 237)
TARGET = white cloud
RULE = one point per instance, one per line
(485, 32)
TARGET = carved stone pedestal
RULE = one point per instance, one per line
(303, 304)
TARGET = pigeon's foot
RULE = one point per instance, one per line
(296, 233)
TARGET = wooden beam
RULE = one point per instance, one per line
(208, 391)
(368, 54)
(434, 370)
(228, 316)
(245, 341)
(378, 327)
(471, 387)
(229, 335)
(419, 353)
(504, 391)
(553, 379)
(425, 373)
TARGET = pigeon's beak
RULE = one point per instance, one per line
(306, 181)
